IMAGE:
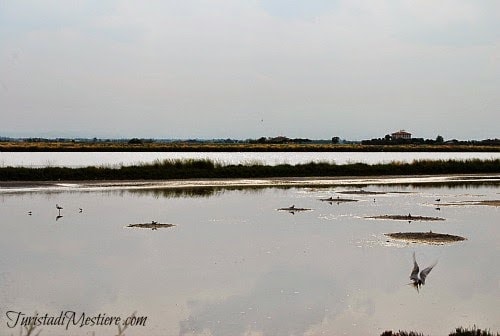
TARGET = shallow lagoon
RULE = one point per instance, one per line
(234, 265)
(116, 159)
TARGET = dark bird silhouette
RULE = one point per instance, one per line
(438, 200)
(58, 217)
(59, 208)
(81, 210)
(30, 213)
(419, 281)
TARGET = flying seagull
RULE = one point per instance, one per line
(419, 281)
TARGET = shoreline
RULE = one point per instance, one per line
(68, 146)
(341, 181)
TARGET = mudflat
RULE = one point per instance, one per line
(425, 237)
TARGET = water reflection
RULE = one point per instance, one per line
(284, 301)
(354, 189)
(193, 192)
(233, 265)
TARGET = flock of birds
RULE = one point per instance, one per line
(418, 280)
(59, 208)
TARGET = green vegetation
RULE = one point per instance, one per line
(458, 332)
(189, 169)
(472, 332)
(401, 333)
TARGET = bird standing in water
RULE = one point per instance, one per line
(59, 208)
(419, 281)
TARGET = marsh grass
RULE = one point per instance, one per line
(474, 331)
(205, 168)
(401, 333)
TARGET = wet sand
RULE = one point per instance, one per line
(494, 203)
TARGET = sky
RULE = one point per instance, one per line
(356, 69)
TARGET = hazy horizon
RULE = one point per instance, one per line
(250, 68)
(125, 138)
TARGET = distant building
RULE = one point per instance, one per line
(402, 134)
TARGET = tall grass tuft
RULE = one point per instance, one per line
(474, 331)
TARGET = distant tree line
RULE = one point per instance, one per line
(278, 140)
(389, 140)
(386, 140)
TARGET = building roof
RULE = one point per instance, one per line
(401, 132)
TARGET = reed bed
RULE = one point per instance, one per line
(474, 331)
(205, 168)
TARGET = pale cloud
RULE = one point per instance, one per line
(357, 69)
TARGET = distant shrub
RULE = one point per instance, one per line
(135, 141)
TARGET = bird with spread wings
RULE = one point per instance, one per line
(419, 281)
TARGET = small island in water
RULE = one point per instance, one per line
(153, 225)
(425, 237)
(408, 217)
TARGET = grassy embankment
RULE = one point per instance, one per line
(102, 146)
(191, 169)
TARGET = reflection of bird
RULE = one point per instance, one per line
(419, 281)
(57, 217)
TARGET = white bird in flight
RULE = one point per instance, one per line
(419, 281)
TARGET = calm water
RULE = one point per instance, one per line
(81, 159)
(234, 265)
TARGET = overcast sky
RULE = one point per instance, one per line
(241, 69)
